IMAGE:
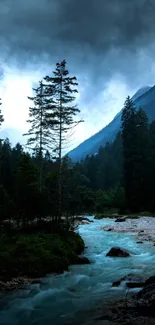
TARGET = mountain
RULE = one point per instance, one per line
(144, 97)
(140, 92)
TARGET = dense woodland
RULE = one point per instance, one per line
(120, 175)
(37, 182)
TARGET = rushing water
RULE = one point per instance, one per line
(69, 298)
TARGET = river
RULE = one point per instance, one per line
(74, 297)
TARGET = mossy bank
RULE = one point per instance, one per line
(36, 255)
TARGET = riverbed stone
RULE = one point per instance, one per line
(81, 260)
(14, 284)
(118, 252)
(116, 283)
(135, 284)
(132, 281)
(150, 280)
(121, 219)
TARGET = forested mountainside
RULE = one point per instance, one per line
(144, 97)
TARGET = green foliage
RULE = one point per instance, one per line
(104, 170)
(136, 150)
(6, 205)
(60, 92)
(40, 117)
(37, 255)
(114, 198)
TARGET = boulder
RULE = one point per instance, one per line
(135, 284)
(116, 283)
(118, 252)
(149, 289)
(146, 298)
(150, 280)
(121, 219)
(81, 260)
(132, 281)
(82, 220)
(140, 309)
(13, 284)
(85, 222)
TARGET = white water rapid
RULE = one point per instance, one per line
(71, 297)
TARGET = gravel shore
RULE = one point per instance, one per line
(143, 227)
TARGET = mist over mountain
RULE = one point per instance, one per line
(144, 97)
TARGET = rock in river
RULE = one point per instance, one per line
(131, 280)
(121, 219)
(118, 252)
(81, 260)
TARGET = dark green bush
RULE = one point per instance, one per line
(37, 255)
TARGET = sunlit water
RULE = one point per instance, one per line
(71, 297)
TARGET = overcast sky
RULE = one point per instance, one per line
(108, 44)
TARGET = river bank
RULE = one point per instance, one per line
(142, 227)
(85, 293)
(137, 310)
(25, 258)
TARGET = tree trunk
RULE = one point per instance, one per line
(60, 158)
(41, 140)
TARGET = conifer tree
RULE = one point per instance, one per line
(28, 199)
(135, 136)
(62, 89)
(39, 133)
(129, 150)
(1, 115)
(142, 160)
(151, 171)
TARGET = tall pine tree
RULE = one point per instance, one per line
(151, 170)
(40, 138)
(135, 138)
(129, 151)
(62, 88)
(1, 115)
(142, 160)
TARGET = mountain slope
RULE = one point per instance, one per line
(144, 97)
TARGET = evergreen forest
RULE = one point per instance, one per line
(42, 190)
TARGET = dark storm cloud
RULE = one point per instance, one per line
(98, 37)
